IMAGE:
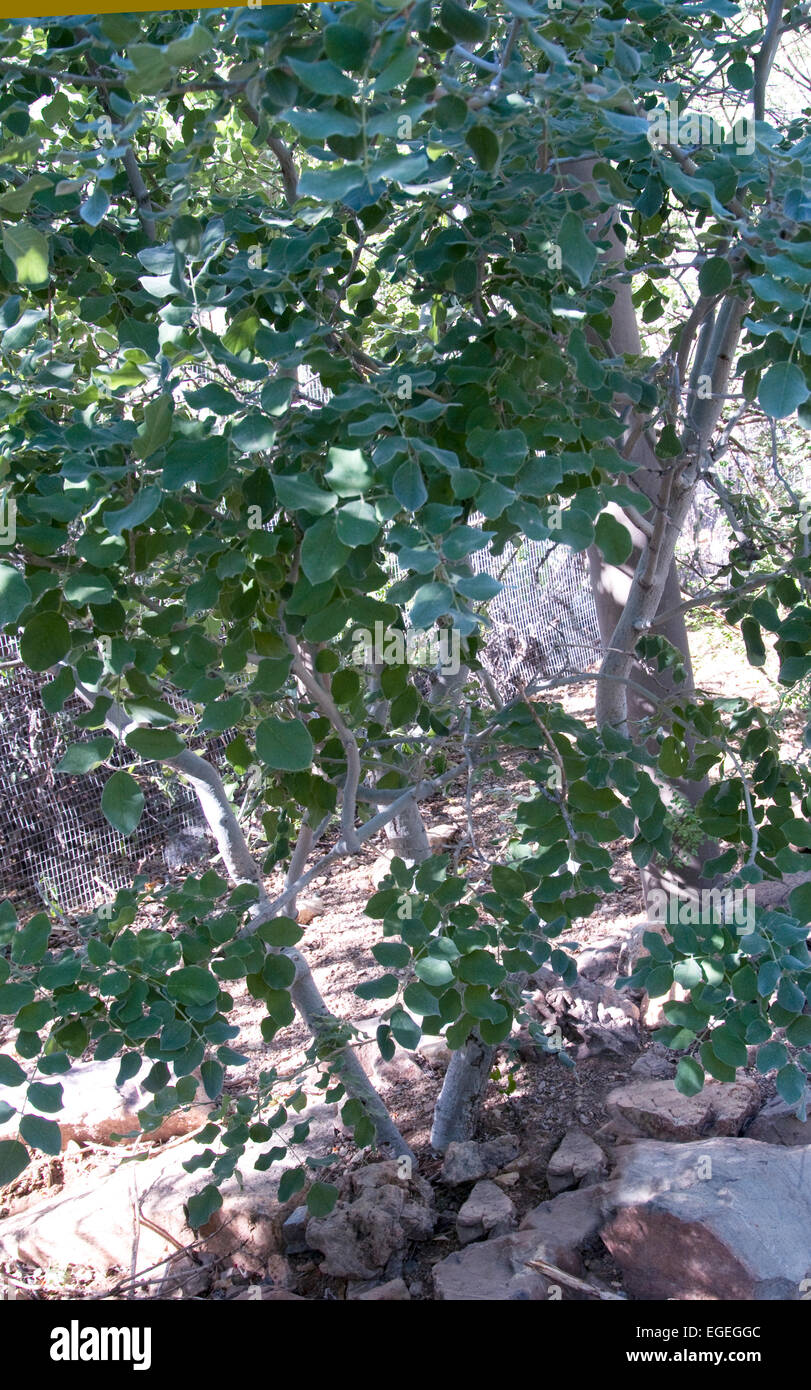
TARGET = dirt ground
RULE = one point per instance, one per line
(534, 1098)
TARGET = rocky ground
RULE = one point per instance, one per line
(594, 1182)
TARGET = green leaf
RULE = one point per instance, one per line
(480, 968)
(15, 595)
(346, 46)
(212, 1074)
(41, 1134)
(323, 553)
(122, 802)
(155, 744)
(485, 146)
(140, 509)
(689, 1078)
(14, 1157)
(31, 941)
(285, 745)
(728, 1046)
(771, 1056)
(790, 1082)
(323, 77)
(84, 757)
(404, 1029)
(11, 1073)
(433, 971)
(408, 486)
(578, 252)
(203, 1205)
(280, 931)
(27, 249)
(321, 1198)
(255, 434)
(156, 428)
(45, 641)
(715, 276)
(291, 1182)
(782, 389)
(613, 539)
(659, 980)
(47, 1098)
(464, 24)
(799, 901)
(192, 985)
(753, 640)
(392, 955)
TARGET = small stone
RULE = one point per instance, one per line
(294, 1231)
(487, 1211)
(507, 1179)
(309, 909)
(777, 1123)
(576, 1160)
(651, 1067)
(468, 1161)
(395, 1291)
(441, 835)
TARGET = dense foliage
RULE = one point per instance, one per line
(435, 209)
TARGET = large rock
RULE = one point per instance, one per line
(778, 1123)
(576, 1160)
(109, 1222)
(95, 1110)
(469, 1160)
(567, 1227)
(379, 1213)
(491, 1271)
(657, 1110)
(720, 1219)
(488, 1211)
(498, 1270)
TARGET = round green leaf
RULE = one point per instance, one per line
(15, 595)
(782, 389)
(715, 276)
(14, 1157)
(285, 745)
(192, 985)
(321, 1198)
(155, 744)
(45, 640)
(689, 1079)
(122, 802)
(41, 1134)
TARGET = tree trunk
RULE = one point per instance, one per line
(465, 1080)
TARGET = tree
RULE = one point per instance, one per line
(455, 217)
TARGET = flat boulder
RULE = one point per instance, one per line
(469, 1160)
(657, 1110)
(96, 1110)
(134, 1216)
(720, 1219)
